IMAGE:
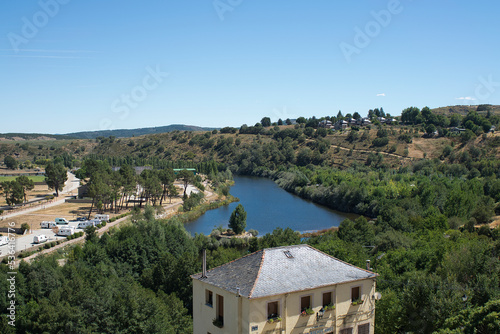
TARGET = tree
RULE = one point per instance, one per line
(238, 219)
(288, 121)
(265, 121)
(301, 120)
(129, 182)
(167, 177)
(186, 177)
(10, 162)
(26, 184)
(171, 191)
(55, 176)
(280, 121)
(430, 129)
(356, 115)
(13, 192)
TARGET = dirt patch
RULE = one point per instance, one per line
(432, 146)
(496, 222)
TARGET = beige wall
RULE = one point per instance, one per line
(253, 313)
(345, 315)
(203, 314)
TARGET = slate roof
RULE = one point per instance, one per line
(271, 272)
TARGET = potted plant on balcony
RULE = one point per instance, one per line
(218, 323)
(329, 307)
(274, 318)
(306, 311)
(357, 302)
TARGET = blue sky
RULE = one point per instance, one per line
(68, 65)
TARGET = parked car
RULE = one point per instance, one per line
(62, 221)
(38, 239)
(46, 224)
(81, 219)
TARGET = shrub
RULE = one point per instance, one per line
(379, 142)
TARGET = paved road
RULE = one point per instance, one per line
(26, 241)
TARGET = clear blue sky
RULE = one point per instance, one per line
(86, 65)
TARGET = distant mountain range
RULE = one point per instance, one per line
(122, 133)
(125, 133)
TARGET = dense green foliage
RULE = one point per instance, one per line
(134, 280)
(438, 271)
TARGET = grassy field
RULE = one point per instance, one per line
(37, 178)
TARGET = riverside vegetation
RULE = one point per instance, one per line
(424, 225)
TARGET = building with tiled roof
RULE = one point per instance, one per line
(289, 290)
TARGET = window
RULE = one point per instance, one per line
(327, 299)
(305, 303)
(209, 298)
(272, 310)
(220, 309)
(364, 329)
(355, 294)
(346, 331)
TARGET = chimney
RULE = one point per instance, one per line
(368, 265)
(204, 270)
(238, 292)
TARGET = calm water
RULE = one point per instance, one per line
(268, 206)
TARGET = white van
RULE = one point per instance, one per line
(38, 239)
(62, 221)
(66, 230)
(46, 224)
(102, 217)
(4, 240)
(85, 224)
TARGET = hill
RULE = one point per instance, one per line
(125, 133)
(31, 136)
(464, 109)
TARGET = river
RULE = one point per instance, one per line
(268, 206)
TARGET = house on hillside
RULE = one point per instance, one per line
(289, 290)
(325, 124)
(340, 125)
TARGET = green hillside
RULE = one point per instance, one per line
(125, 133)
(464, 109)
